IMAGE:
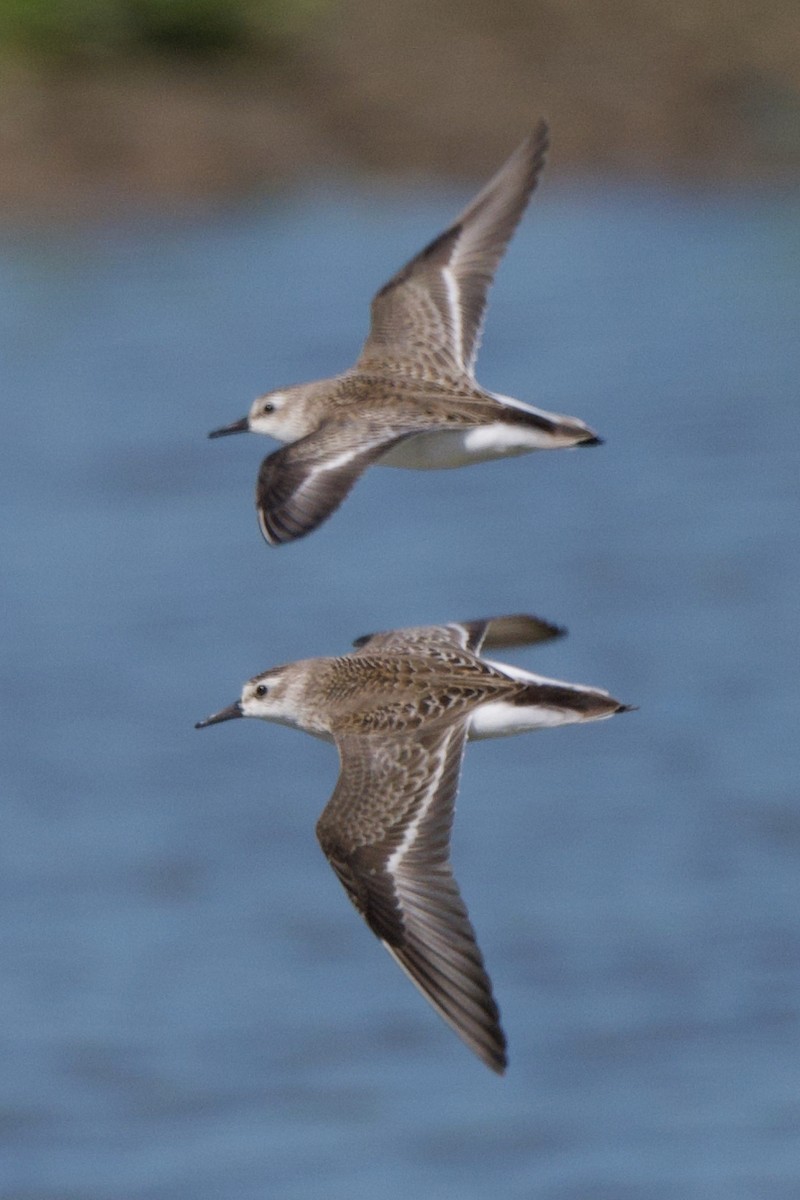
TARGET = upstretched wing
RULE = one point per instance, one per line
(386, 833)
(427, 320)
(300, 485)
(520, 629)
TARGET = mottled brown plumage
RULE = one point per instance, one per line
(411, 399)
(400, 708)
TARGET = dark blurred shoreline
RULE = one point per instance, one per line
(707, 91)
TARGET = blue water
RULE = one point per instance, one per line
(189, 1007)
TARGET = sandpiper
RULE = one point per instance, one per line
(412, 399)
(400, 708)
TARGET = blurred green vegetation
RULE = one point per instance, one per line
(63, 29)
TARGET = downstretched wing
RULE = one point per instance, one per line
(427, 320)
(300, 485)
(520, 629)
(386, 832)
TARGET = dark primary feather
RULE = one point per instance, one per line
(385, 786)
(413, 325)
(300, 485)
(519, 629)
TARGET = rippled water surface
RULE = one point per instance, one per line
(189, 1008)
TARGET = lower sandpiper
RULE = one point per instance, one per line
(400, 709)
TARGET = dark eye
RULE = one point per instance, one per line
(268, 408)
(261, 690)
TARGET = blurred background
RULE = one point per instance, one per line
(197, 202)
(182, 103)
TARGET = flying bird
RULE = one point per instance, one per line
(400, 709)
(412, 399)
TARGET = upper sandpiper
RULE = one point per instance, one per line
(412, 399)
(400, 708)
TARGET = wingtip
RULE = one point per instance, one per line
(498, 1064)
(269, 531)
(541, 133)
(551, 630)
(493, 1052)
(520, 629)
(543, 630)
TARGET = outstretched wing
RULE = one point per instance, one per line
(520, 629)
(427, 320)
(386, 833)
(300, 485)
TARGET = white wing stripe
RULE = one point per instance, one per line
(410, 833)
(454, 301)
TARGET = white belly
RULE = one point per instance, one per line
(501, 719)
(460, 447)
(500, 439)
